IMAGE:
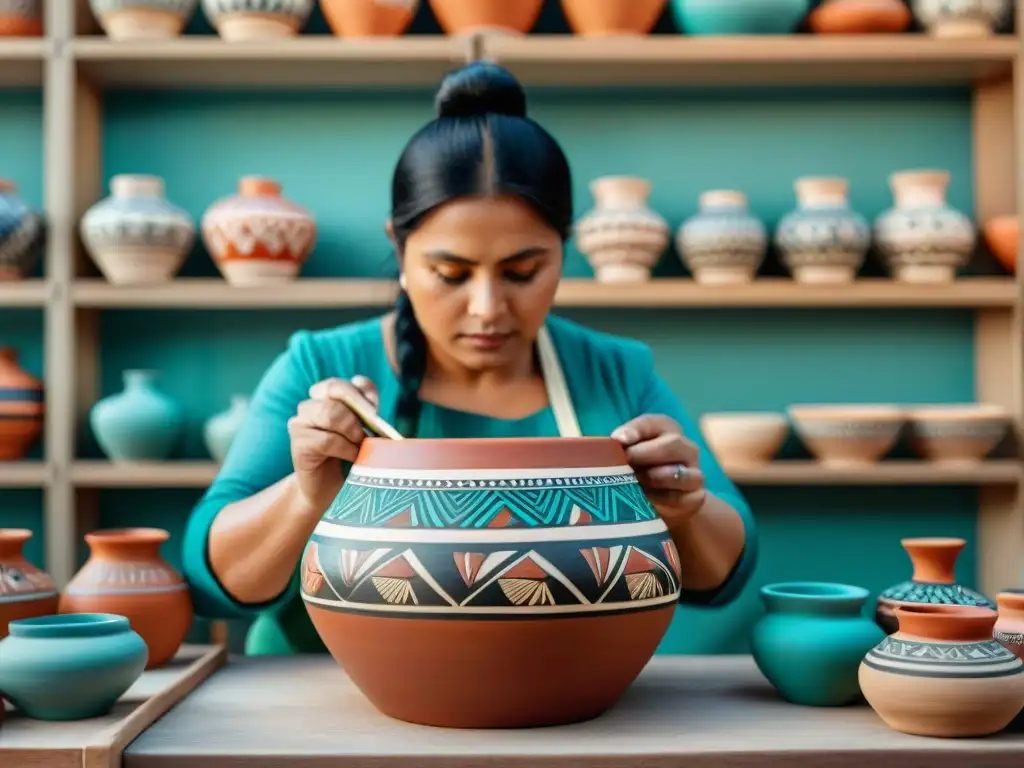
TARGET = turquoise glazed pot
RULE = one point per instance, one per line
(811, 642)
(739, 17)
(70, 666)
(139, 423)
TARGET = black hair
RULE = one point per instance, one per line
(480, 143)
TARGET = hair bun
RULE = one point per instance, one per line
(479, 89)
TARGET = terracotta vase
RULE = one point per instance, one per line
(942, 674)
(859, 17)
(933, 581)
(21, 18)
(622, 237)
(21, 407)
(1009, 629)
(369, 18)
(142, 19)
(491, 583)
(257, 237)
(1002, 235)
(598, 18)
(25, 590)
(466, 17)
(126, 575)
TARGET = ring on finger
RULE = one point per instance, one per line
(680, 473)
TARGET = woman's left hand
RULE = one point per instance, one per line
(666, 464)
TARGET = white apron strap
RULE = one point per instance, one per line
(554, 382)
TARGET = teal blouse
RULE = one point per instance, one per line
(611, 380)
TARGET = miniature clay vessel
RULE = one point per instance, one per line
(25, 591)
(810, 643)
(142, 19)
(942, 674)
(70, 667)
(961, 18)
(824, 240)
(600, 18)
(723, 243)
(21, 407)
(136, 236)
(957, 434)
(369, 18)
(126, 575)
(847, 435)
(257, 237)
(1001, 235)
(933, 581)
(220, 430)
(1009, 629)
(466, 17)
(21, 18)
(860, 17)
(533, 567)
(739, 17)
(744, 439)
(621, 236)
(244, 20)
(140, 423)
(22, 234)
(922, 239)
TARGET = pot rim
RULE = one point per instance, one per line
(68, 625)
(126, 535)
(815, 590)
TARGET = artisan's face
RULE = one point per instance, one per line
(481, 274)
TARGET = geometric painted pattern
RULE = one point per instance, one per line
(915, 658)
(26, 583)
(933, 593)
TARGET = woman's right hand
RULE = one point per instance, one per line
(324, 431)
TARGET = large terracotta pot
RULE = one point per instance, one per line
(595, 18)
(21, 407)
(126, 575)
(491, 583)
(369, 18)
(465, 17)
(25, 590)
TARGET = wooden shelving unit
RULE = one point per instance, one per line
(75, 65)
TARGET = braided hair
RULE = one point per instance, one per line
(480, 143)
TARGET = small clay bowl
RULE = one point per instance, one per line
(1001, 235)
(847, 435)
(858, 17)
(744, 439)
(956, 434)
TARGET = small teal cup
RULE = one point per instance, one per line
(811, 640)
(69, 666)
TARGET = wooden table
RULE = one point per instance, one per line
(684, 711)
(98, 742)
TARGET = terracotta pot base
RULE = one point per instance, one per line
(142, 24)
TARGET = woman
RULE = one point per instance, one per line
(481, 210)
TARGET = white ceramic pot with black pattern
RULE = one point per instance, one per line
(136, 236)
(22, 234)
(823, 241)
(723, 243)
(142, 19)
(962, 18)
(242, 20)
(21, 18)
(922, 239)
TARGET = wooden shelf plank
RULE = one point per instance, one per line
(21, 61)
(892, 472)
(751, 60)
(214, 293)
(24, 474)
(143, 474)
(309, 60)
(24, 293)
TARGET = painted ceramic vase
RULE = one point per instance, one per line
(1001, 235)
(220, 430)
(859, 17)
(257, 237)
(140, 423)
(933, 581)
(1009, 628)
(457, 560)
(25, 590)
(723, 243)
(739, 17)
(962, 18)
(621, 236)
(70, 667)
(142, 19)
(22, 234)
(243, 20)
(824, 240)
(598, 18)
(369, 18)
(810, 643)
(136, 236)
(922, 239)
(21, 407)
(942, 674)
(957, 434)
(467, 17)
(21, 18)
(126, 575)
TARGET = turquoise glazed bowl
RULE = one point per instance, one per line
(69, 666)
(739, 17)
(811, 641)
